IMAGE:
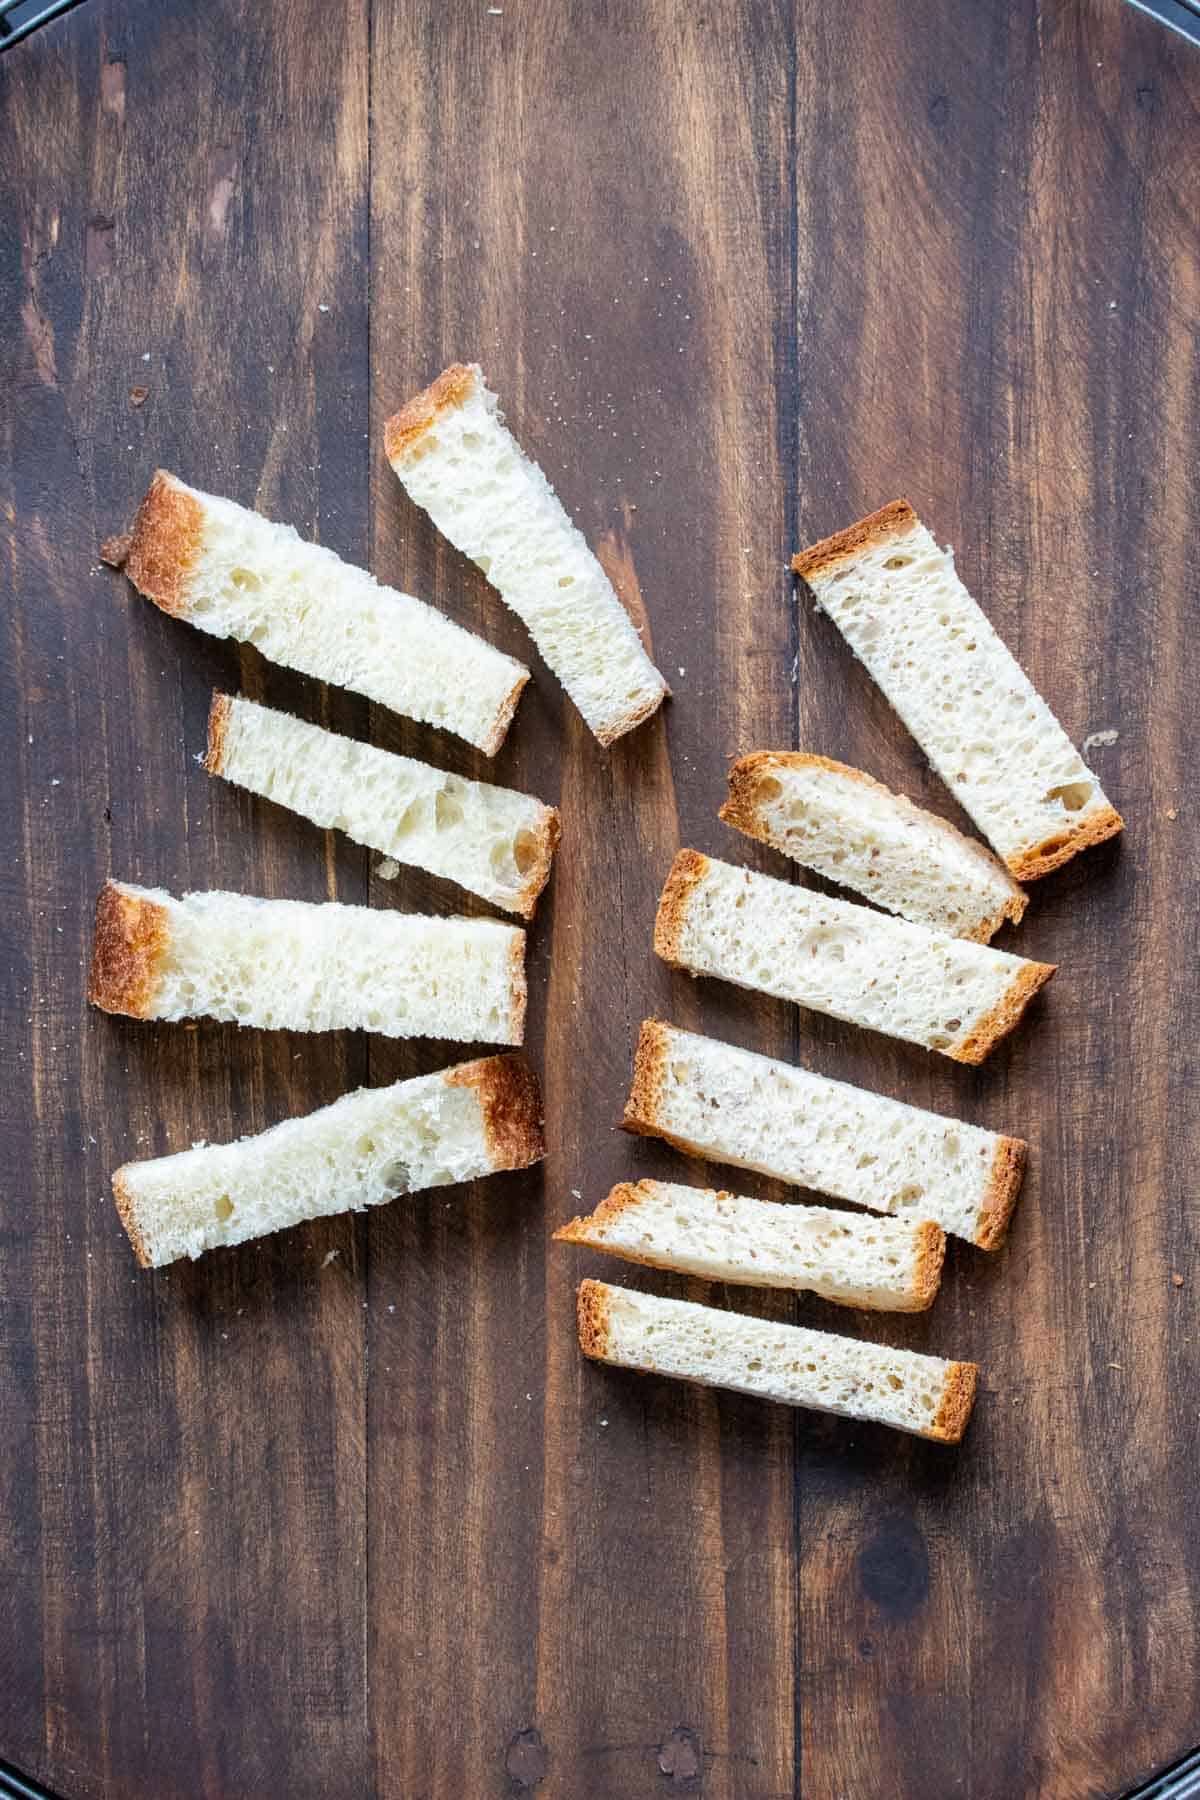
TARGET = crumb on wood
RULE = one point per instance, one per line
(387, 870)
(1172, 812)
(138, 396)
(1176, 1279)
(1096, 740)
(115, 550)
(329, 1256)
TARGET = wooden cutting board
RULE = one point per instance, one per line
(343, 1514)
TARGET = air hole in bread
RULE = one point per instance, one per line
(396, 1177)
(223, 1207)
(524, 851)
(446, 810)
(245, 579)
(769, 788)
(897, 562)
(566, 581)
(408, 819)
(1073, 794)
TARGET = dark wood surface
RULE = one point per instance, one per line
(343, 1513)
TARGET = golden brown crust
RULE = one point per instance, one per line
(984, 1036)
(958, 1397)
(591, 1311)
(892, 520)
(545, 843)
(518, 987)
(927, 1266)
(1040, 859)
(1011, 913)
(583, 1228)
(165, 543)
(1008, 1168)
(218, 726)
(687, 870)
(504, 714)
(128, 949)
(127, 1209)
(449, 390)
(631, 720)
(511, 1102)
(649, 1075)
(742, 810)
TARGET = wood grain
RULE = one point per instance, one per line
(344, 1513)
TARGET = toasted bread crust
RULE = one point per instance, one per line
(631, 720)
(545, 843)
(1040, 859)
(688, 868)
(649, 1074)
(996, 1024)
(446, 392)
(127, 952)
(591, 1311)
(511, 1102)
(927, 1270)
(504, 715)
(1008, 1168)
(127, 1211)
(579, 1229)
(742, 811)
(892, 520)
(958, 1397)
(165, 543)
(518, 987)
(218, 725)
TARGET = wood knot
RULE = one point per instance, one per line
(681, 1759)
(893, 1567)
(525, 1760)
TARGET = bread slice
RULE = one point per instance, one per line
(733, 1106)
(234, 573)
(788, 1363)
(838, 958)
(286, 965)
(890, 1265)
(490, 840)
(853, 830)
(368, 1147)
(459, 462)
(901, 607)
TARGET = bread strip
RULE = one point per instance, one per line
(236, 574)
(368, 1147)
(853, 830)
(848, 961)
(286, 965)
(733, 1106)
(788, 1363)
(890, 1265)
(490, 840)
(901, 607)
(457, 460)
